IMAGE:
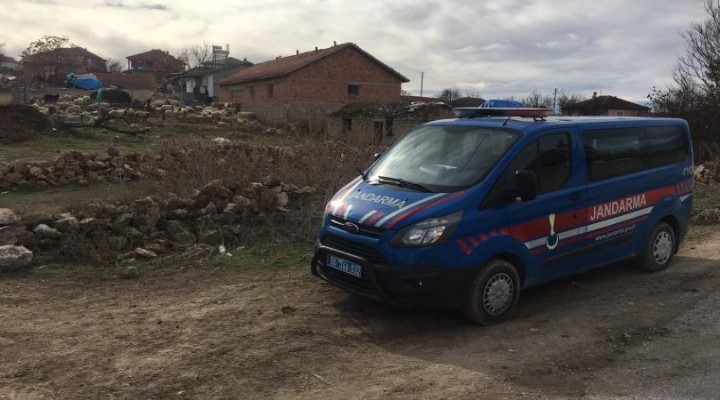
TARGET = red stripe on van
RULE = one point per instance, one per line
(464, 247)
(374, 218)
(424, 206)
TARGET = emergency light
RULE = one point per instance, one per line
(478, 112)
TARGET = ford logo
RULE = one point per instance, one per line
(350, 227)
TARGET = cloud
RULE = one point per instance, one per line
(501, 47)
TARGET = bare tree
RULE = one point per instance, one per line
(114, 65)
(565, 99)
(535, 99)
(471, 92)
(450, 94)
(195, 55)
(695, 94)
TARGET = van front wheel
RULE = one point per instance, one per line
(659, 249)
(493, 293)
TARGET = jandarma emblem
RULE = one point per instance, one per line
(553, 239)
(350, 227)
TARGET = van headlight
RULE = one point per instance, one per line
(425, 232)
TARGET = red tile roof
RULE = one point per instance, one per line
(154, 54)
(285, 65)
(604, 103)
(67, 52)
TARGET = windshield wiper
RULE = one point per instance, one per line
(362, 173)
(403, 183)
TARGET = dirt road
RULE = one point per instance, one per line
(245, 332)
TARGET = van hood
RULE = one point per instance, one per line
(381, 206)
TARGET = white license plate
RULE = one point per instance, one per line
(344, 265)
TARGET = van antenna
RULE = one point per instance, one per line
(506, 121)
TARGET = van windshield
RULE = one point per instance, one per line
(442, 158)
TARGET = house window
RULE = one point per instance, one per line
(378, 132)
(388, 127)
(354, 90)
(619, 113)
(270, 90)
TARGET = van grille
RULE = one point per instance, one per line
(369, 253)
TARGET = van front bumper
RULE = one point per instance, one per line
(425, 285)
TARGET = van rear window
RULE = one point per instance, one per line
(615, 152)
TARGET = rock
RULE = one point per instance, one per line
(117, 242)
(178, 233)
(7, 216)
(66, 224)
(267, 198)
(122, 222)
(11, 234)
(158, 247)
(213, 237)
(13, 258)
(178, 214)
(145, 253)
(209, 209)
(281, 199)
(244, 203)
(35, 171)
(113, 152)
(96, 165)
(230, 208)
(215, 190)
(131, 272)
(177, 202)
(47, 232)
(148, 212)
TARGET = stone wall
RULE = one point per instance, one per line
(216, 215)
(73, 167)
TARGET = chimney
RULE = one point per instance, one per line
(334, 43)
(594, 95)
(315, 48)
(297, 52)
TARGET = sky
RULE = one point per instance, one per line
(491, 48)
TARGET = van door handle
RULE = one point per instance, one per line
(575, 196)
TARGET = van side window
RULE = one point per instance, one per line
(615, 152)
(548, 157)
(664, 145)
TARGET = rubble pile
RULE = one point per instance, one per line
(82, 109)
(73, 167)
(218, 214)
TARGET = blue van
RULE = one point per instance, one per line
(467, 212)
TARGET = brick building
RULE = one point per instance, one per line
(54, 65)
(608, 106)
(313, 84)
(159, 62)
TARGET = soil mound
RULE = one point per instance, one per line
(20, 123)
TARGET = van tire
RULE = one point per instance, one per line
(659, 249)
(493, 293)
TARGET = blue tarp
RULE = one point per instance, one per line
(86, 81)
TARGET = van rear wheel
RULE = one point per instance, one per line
(493, 294)
(659, 249)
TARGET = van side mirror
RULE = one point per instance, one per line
(525, 185)
(377, 155)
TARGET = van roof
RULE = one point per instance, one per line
(589, 122)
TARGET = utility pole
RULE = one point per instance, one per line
(555, 102)
(422, 80)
